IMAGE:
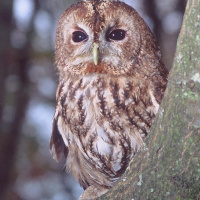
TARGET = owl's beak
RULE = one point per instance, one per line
(95, 53)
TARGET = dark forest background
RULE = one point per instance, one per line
(28, 82)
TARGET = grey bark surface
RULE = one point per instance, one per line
(168, 165)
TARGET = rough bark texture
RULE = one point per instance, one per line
(168, 166)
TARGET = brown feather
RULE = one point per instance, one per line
(104, 111)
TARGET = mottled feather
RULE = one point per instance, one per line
(105, 109)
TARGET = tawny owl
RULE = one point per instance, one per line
(112, 80)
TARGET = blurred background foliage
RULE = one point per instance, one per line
(28, 82)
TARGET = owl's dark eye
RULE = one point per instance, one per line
(79, 36)
(117, 34)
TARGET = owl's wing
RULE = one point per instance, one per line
(57, 145)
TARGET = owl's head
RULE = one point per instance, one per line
(107, 37)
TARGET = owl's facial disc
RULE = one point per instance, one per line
(112, 34)
(99, 38)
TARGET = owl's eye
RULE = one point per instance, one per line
(117, 34)
(79, 36)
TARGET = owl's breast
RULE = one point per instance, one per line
(106, 118)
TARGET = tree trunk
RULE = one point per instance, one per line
(168, 165)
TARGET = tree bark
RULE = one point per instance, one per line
(168, 165)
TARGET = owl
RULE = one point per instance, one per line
(111, 83)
